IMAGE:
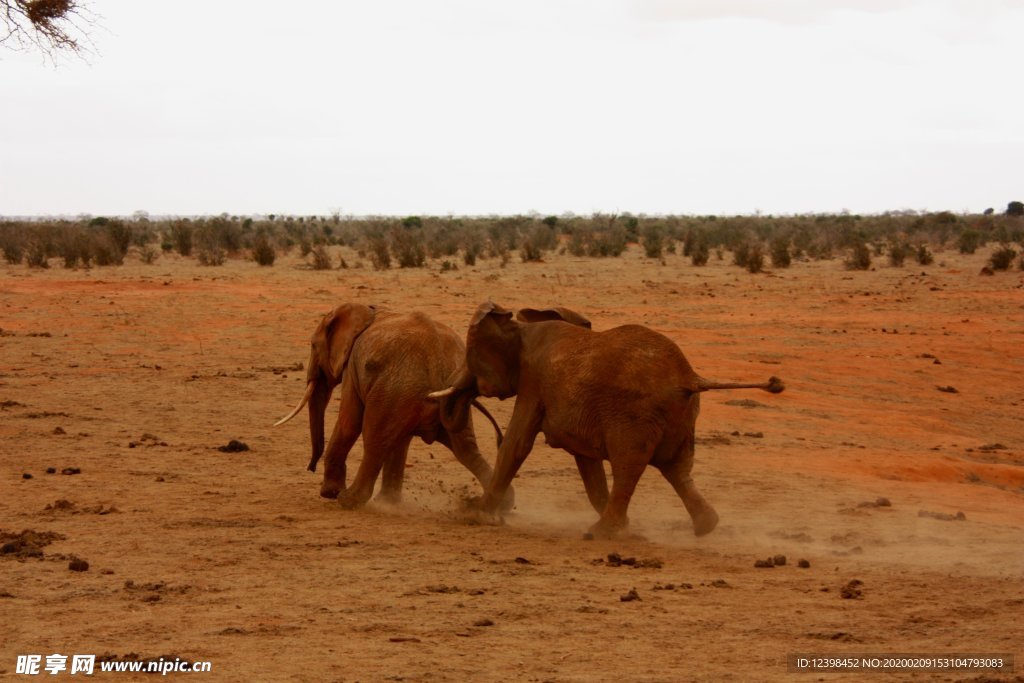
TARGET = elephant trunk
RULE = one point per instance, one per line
(319, 396)
(456, 399)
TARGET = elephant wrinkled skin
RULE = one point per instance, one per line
(626, 395)
(385, 363)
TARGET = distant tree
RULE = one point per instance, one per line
(1015, 209)
(50, 26)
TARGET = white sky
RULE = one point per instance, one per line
(495, 106)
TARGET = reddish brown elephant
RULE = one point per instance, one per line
(626, 395)
(386, 364)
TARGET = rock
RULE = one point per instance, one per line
(234, 446)
(764, 564)
(630, 596)
(779, 560)
(803, 564)
(77, 565)
(26, 475)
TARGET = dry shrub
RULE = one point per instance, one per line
(380, 254)
(1002, 258)
(860, 257)
(211, 256)
(321, 259)
(263, 251)
(781, 258)
(407, 244)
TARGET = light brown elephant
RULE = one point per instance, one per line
(386, 364)
(626, 395)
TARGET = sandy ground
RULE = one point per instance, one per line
(135, 375)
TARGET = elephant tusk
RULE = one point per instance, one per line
(302, 403)
(442, 393)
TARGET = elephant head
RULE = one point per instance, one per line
(493, 346)
(331, 347)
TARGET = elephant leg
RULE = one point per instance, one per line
(519, 437)
(463, 444)
(594, 481)
(626, 473)
(394, 474)
(677, 472)
(382, 443)
(346, 432)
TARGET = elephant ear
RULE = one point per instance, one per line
(533, 315)
(332, 342)
(486, 309)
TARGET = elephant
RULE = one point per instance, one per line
(386, 364)
(627, 395)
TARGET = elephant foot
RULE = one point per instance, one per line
(508, 502)
(474, 512)
(484, 518)
(330, 489)
(705, 522)
(604, 529)
(389, 497)
(350, 500)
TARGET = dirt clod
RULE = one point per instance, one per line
(26, 475)
(779, 560)
(803, 564)
(71, 470)
(28, 543)
(764, 564)
(630, 596)
(78, 565)
(233, 446)
(943, 516)
(852, 590)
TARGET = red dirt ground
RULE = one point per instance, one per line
(233, 558)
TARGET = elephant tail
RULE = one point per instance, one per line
(774, 385)
(494, 423)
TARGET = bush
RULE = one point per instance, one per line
(755, 259)
(35, 254)
(408, 247)
(211, 256)
(1002, 258)
(105, 251)
(699, 253)
(380, 256)
(741, 254)
(653, 239)
(781, 258)
(924, 256)
(860, 257)
(536, 241)
(969, 241)
(181, 236)
(120, 236)
(898, 254)
(263, 251)
(149, 255)
(321, 259)
(1015, 209)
